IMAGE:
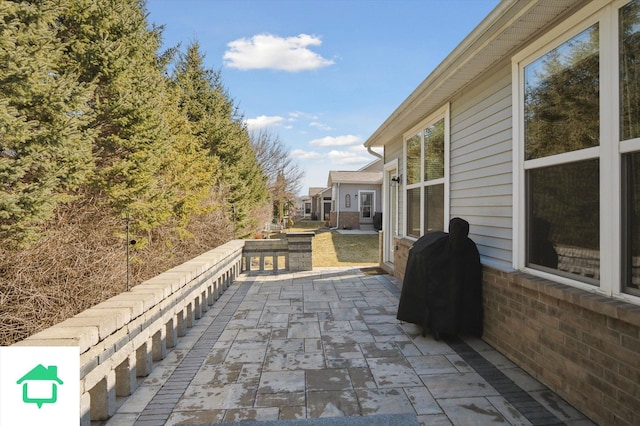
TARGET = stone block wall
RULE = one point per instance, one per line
(400, 257)
(120, 338)
(274, 250)
(300, 251)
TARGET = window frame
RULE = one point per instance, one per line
(609, 152)
(443, 113)
(372, 206)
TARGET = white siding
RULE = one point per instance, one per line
(481, 165)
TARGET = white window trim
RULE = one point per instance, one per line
(441, 113)
(386, 202)
(606, 14)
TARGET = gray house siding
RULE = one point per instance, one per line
(352, 190)
(480, 186)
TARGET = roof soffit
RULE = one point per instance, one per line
(510, 26)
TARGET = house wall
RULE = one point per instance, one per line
(348, 220)
(352, 189)
(583, 346)
(481, 165)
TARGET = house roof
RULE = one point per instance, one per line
(39, 372)
(375, 166)
(511, 25)
(314, 190)
(357, 177)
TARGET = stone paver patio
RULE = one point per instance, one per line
(327, 343)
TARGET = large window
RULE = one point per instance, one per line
(426, 159)
(578, 125)
(561, 117)
(629, 101)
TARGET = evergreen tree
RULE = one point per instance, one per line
(221, 132)
(45, 147)
(191, 173)
(113, 47)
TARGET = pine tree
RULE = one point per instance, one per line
(45, 146)
(221, 132)
(113, 47)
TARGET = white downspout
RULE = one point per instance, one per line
(372, 152)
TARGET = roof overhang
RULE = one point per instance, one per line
(510, 26)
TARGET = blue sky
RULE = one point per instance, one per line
(322, 75)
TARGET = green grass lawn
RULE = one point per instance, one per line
(331, 248)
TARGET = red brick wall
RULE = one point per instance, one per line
(349, 219)
(400, 257)
(584, 346)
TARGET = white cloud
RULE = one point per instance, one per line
(304, 155)
(349, 158)
(336, 141)
(272, 52)
(320, 126)
(295, 115)
(263, 121)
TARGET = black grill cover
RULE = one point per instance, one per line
(442, 287)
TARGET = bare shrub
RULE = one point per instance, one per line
(80, 261)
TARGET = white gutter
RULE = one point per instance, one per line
(495, 36)
(372, 152)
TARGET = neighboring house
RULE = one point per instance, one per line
(304, 207)
(356, 196)
(320, 203)
(43, 383)
(530, 131)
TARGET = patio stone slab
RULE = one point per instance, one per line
(393, 372)
(328, 379)
(216, 398)
(457, 385)
(432, 364)
(384, 401)
(332, 404)
(472, 411)
(377, 420)
(282, 381)
(422, 401)
(325, 345)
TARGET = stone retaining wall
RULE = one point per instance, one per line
(293, 253)
(121, 338)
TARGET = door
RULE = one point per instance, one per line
(366, 200)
